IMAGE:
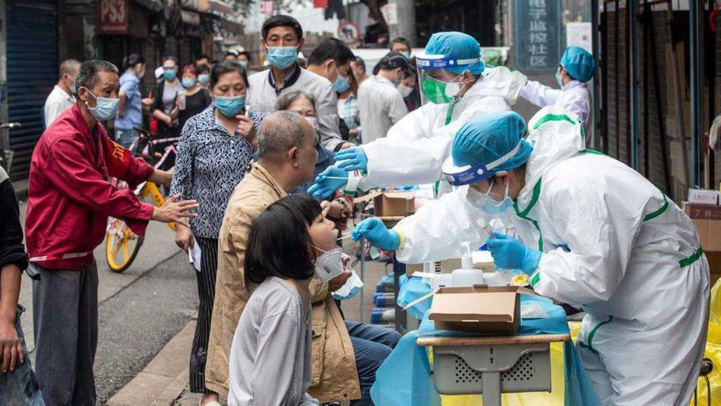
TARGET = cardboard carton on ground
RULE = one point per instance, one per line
(702, 196)
(707, 219)
(478, 309)
(391, 204)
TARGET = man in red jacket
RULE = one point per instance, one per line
(69, 201)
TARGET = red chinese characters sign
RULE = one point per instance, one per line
(113, 17)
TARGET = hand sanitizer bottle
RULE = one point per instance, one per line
(467, 275)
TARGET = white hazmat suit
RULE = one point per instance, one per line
(573, 96)
(614, 245)
(414, 149)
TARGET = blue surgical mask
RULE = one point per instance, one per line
(489, 205)
(407, 55)
(105, 107)
(203, 79)
(188, 83)
(229, 106)
(559, 79)
(170, 75)
(282, 57)
(341, 84)
(244, 64)
(73, 90)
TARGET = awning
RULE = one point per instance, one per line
(152, 5)
(189, 17)
(196, 5)
(231, 26)
(221, 8)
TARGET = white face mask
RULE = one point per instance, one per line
(454, 86)
(313, 121)
(329, 265)
(352, 287)
(405, 90)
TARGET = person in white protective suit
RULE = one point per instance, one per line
(593, 233)
(577, 67)
(456, 86)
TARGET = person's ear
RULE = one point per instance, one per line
(293, 155)
(82, 93)
(263, 45)
(330, 66)
(503, 178)
(468, 78)
(300, 44)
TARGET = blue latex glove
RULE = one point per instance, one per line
(376, 232)
(327, 182)
(352, 159)
(509, 253)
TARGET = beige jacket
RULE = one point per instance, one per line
(334, 373)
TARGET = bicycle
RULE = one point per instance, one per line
(119, 238)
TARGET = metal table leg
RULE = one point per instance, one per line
(400, 321)
(362, 276)
(491, 389)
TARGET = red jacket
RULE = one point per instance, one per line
(69, 196)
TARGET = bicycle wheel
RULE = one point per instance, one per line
(121, 246)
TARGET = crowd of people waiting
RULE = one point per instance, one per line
(248, 146)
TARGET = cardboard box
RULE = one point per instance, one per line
(702, 196)
(394, 204)
(477, 309)
(390, 204)
(707, 219)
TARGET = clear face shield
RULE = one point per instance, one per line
(438, 84)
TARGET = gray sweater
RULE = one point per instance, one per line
(270, 359)
(262, 96)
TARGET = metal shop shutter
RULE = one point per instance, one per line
(32, 71)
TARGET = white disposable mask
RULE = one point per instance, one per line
(313, 121)
(329, 265)
(454, 86)
(405, 90)
(352, 287)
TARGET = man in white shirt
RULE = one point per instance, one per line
(282, 37)
(62, 97)
(380, 103)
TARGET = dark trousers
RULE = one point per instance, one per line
(371, 346)
(65, 316)
(206, 294)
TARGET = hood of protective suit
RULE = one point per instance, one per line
(499, 81)
(556, 134)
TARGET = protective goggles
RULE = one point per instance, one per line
(468, 174)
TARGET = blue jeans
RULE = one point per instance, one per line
(20, 387)
(371, 345)
(125, 137)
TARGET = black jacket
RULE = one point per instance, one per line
(12, 250)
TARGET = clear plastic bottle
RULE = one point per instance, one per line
(467, 275)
